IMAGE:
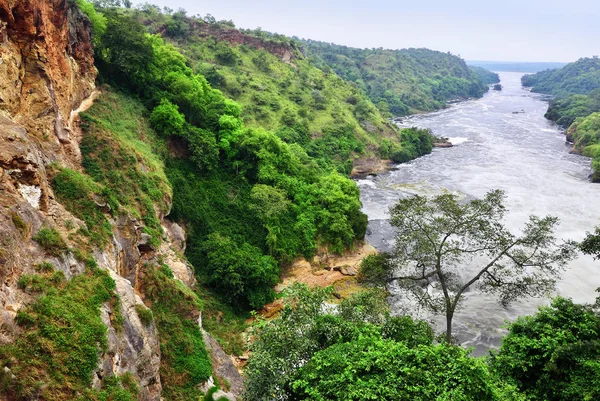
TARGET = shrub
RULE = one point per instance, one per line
(20, 224)
(50, 239)
(144, 314)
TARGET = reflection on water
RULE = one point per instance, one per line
(495, 147)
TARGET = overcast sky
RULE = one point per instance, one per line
(504, 30)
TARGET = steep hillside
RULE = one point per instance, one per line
(281, 90)
(95, 302)
(580, 77)
(584, 133)
(400, 82)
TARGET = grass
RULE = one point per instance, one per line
(144, 314)
(121, 152)
(185, 362)
(51, 240)
(84, 198)
(62, 337)
(300, 101)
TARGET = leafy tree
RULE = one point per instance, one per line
(167, 119)
(553, 355)
(591, 244)
(443, 248)
(241, 271)
(376, 369)
(283, 345)
(125, 52)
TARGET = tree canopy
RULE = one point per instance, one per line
(444, 247)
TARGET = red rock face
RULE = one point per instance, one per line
(235, 37)
(47, 64)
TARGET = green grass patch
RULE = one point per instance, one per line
(61, 340)
(121, 152)
(51, 240)
(144, 314)
(85, 199)
(185, 362)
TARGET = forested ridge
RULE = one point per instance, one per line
(576, 104)
(401, 82)
(247, 139)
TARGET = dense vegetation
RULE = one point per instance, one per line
(486, 76)
(357, 351)
(45, 362)
(576, 90)
(580, 77)
(400, 82)
(564, 111)
(252, 148)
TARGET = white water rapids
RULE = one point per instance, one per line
(500, 141)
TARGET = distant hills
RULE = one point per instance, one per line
(515, 66)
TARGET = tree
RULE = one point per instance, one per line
(376, 369)
(553, 355)
(591, 244)
(443, 248)
(281, 346)
(240, 272)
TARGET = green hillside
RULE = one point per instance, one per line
(580, 77)
(279, 89)
(400, 82)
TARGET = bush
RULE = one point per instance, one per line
(166, 119)
(144, 314)
(50, 239)
(241, 272)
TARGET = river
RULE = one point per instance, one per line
(495, 147)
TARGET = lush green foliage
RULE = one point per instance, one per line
(585, 134)
(576, 87)
(401, 82)
(376, 369)
(554, 354)
(240, 270)
(63, 336)
(317, 109)
(184, 362)
(358, 352)
(252, 175)
(282, 345)
(451, 246)
(564, 111)
(51, 240)
(486, 76)
(580, 77)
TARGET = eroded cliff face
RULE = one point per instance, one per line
(47, 76)
(46, 72)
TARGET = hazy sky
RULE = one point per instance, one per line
(509, 30)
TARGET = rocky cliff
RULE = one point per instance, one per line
(46, 74)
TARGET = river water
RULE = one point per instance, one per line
(495, 147)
